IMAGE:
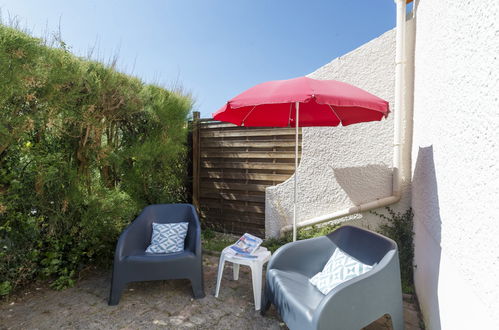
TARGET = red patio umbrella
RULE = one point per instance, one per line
(302, 102)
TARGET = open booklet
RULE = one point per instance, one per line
(246, 246)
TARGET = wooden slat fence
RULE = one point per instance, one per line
(232, 166)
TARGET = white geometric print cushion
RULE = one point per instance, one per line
(168, 237)
(339, 268)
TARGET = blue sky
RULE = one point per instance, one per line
(214, 49)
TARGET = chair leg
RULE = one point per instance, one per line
(221, 265)
(117, 288)
(265, 306)
(265, 302)
(397, 317)
(256, 277)
(235, 271)
(197, 282)
(198, 287)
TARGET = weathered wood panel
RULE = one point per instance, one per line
(234, 165)
(270, 166)
(248, 132)
(247, 155)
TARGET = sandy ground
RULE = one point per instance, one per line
(152, 305)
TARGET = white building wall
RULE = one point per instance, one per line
(455, 190)
(345, 166)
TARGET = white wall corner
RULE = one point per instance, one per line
(455, 157)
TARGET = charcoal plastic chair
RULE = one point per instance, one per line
(351, 305)
(133, 264)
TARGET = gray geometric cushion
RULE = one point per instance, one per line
(168, 237)
(339, 268)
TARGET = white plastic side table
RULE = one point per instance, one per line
(256, 265)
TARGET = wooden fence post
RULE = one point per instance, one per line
(195, 159)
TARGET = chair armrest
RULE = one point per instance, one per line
(359, 297)
(306, 256)
(132, 239)
(193, 243)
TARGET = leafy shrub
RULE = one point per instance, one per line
(399, 227)
(82, 149)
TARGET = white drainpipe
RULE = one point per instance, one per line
(400, 66)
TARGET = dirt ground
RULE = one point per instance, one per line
(152, 305)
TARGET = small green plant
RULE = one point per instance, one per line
(215, 241)
(398, 227)
(208, 234)
(316, 231)
(5, 288)
(272, 244)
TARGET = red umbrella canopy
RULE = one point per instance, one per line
(322, 103)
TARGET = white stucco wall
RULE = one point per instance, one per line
(455, 190)
(345, 166)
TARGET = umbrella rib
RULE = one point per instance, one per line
(249, 113)
(334, 112)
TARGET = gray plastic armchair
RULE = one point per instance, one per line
(133, 264)
(351, 305)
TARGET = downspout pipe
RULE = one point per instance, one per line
(400, 72)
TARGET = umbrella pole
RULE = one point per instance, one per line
(297, 124)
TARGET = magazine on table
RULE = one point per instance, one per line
(246, 245)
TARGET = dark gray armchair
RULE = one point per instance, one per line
(352, 304)
(132, 264)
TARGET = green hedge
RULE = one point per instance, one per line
(82, 149)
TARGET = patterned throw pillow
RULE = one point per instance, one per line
(340, 268)
(168, 237)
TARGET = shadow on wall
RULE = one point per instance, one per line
(427, 228)
(365, 183)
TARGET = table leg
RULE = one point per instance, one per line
(256, 277)
(221, 265)
(235, 269)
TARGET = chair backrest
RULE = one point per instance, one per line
(363, 245)
(170, 213)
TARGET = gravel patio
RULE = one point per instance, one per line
(152, 305)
